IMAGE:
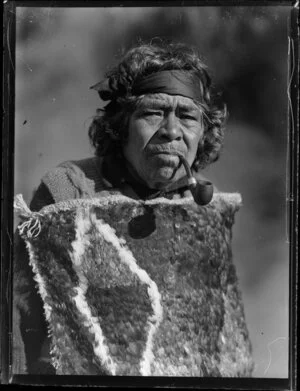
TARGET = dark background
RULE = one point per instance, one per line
(61, 52)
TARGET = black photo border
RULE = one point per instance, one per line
(7, 193)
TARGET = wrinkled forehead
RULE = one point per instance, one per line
(167, 101)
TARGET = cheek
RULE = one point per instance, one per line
(192, 139)
(139, 134)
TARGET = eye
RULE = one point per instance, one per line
(189, 117)
(149, 113)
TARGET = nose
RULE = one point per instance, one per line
(170, 128)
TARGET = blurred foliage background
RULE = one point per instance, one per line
(61, 52)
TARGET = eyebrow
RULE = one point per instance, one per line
(161, 104)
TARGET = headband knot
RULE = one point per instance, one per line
(107, 89)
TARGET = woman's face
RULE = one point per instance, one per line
(161, 128)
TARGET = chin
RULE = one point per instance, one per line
(164, 177)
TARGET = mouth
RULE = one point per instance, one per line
(167, 157)
(169, 152)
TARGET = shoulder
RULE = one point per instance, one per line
(74, 179)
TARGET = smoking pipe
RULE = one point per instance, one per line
(202, 191)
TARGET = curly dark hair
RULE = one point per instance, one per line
(108, 130)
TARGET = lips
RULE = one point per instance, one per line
(165, 159)
(165, 151)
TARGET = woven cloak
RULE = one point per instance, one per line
(140, 287)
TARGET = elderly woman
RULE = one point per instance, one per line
(160, 115)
